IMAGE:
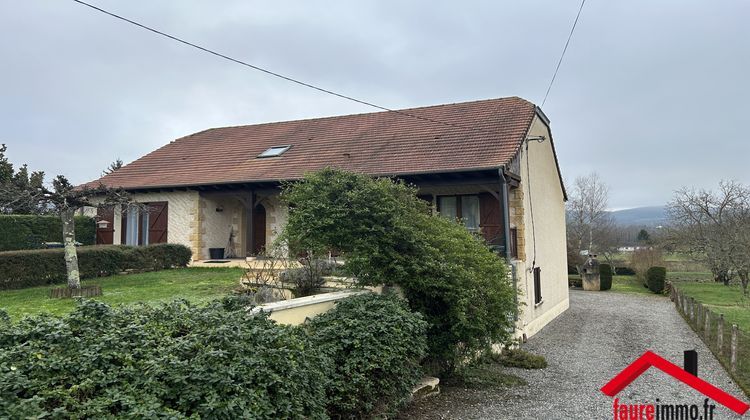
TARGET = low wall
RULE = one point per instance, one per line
(296, 311)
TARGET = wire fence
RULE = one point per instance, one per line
(730, 344)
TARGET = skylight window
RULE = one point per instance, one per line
(274, 151)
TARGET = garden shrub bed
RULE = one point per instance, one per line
(215, 361)
(29, 268)
(29, 231)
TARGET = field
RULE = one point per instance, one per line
(727, 300)
(193, 284)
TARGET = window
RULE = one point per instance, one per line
(470, 212)
(465, 207)
(274, 151)
(131, 231)
(145, 226)
(537, 285)
(513, 243)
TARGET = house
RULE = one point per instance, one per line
(491, 163)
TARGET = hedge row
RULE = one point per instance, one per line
(216, 361)
(29, 231)
(21, 269)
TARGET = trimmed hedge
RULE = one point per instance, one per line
(376, 344)
(29, 231)
(624, 271)
(179, 360)
(605, 277)
(655, 278)
(173, 361)
(21, 269)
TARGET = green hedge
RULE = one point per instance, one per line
(605, 277)
(173, 361)
(21, 269)
(376, 344)
(29, 231)
(655, 278)
(179, 360)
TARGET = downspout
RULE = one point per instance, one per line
(506, 235)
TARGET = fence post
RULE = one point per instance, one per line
(707, 325)
(692, 310)
(733, 349)
(720, 333)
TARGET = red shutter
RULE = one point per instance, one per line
(158, 222)
(105, 236)
(490, 219)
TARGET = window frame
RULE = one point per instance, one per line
(459, 208)
(271, 151)
(538, 299)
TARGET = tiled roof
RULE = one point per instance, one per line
(381, 143)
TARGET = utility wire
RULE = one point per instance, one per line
(559, 62)
(278, 75)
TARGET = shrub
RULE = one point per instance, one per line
(29, 231)
(307, 279)
(655, 278)
(624, 271)
(388, 236)
(643, 259)
(29, 268)
(174, 361)
(376, 344)
(511, 357)
(605, 277)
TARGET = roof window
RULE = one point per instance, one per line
(274, 151)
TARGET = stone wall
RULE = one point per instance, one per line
(218, 217)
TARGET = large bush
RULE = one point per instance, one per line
(175, 361)
(29, 231)
(644, 258)
(388, 236)
(20, 269)
(376, 344)
(655, 279)
(605, 277)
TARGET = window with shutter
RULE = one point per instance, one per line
(537, 285)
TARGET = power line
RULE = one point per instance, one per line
(278, 75)
(563, 52)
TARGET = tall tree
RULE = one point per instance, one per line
(589, 225)
(712, 226)
(117, 164)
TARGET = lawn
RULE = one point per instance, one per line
(194, 284)
(622, 284)
(727, 300)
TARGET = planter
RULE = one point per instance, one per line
(84, 291)
(216, 253)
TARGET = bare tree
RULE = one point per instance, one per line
(714, 226)
(589, 225)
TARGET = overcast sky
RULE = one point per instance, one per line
(652, 95)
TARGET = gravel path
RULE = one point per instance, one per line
(585, 347)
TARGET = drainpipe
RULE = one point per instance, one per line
(506, 235)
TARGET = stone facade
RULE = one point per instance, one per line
(516, 213)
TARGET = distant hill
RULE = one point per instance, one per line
(641, 216)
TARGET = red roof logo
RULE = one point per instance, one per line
(649, 358)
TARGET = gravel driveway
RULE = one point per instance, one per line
(586, 346)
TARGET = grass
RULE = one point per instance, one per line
(730, 301)
(194, 284)
(622, 284)
(727, 300)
